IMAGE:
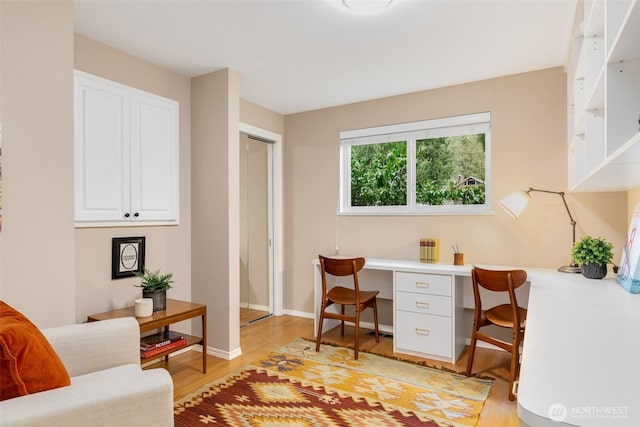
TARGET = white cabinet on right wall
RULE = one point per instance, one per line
(126, 154)
(603, 91)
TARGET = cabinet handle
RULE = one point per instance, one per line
(421, 304)
(127, 215)
(422, 284)
(424, 332)
(136, 214)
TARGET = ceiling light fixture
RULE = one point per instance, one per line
(367, 7)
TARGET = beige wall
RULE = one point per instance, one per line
(633, 198)
(215, 205)
(528, 138)
(167, 247)
(261, 117)
(38, 246)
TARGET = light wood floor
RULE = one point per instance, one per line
(248, 315)
(265, 335)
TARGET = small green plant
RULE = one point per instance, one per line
(592, 250)
(154, 281)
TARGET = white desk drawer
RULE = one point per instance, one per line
(423, 333)
(423, 303)
(436, 284)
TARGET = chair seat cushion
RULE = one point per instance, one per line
(502, 316)
(28, 363)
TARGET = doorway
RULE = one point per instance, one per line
(256, 228)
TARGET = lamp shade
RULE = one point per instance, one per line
(514, 203)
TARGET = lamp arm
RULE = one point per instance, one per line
(564, 200)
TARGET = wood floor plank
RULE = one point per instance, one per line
(265, 335)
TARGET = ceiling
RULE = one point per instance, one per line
(300, 55)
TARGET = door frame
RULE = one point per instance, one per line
(277, 236)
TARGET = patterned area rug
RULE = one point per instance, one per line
(294, 386)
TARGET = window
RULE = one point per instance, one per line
(438, 166)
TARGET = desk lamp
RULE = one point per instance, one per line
(515, 203)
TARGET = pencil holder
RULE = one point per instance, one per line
(458, 259)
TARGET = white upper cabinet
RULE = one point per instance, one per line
(603, 91)
(126, 154)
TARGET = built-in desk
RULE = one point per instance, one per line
(581, 354)
(428, 304)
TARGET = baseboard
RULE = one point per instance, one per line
(298, 314)
(221, 354)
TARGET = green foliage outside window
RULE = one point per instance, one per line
(379, 172)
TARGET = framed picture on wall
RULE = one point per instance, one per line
(127, 256)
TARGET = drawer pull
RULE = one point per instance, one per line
(424, 332)
(421, 304)
(422, 285)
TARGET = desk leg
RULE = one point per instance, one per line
(166, 334)
(204, 342)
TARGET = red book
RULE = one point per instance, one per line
(155, 351)
(159, 340)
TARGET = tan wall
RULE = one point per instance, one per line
(215, 204)
(167, 247)
(261, 117)
(633, 198)
(37, 261)
(528, 138)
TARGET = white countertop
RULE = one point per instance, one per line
(581, 355)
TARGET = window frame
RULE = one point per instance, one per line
(410, 133)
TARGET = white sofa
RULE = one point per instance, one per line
(108, 387)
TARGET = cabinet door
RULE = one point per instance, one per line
(101, 151)
(154, 158)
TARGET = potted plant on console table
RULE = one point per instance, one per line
(593, 254)
(154, 285)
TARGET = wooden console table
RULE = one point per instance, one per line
(176, 311)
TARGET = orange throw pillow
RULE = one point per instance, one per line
(28, 363)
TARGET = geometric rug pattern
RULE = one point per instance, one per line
(295, 386)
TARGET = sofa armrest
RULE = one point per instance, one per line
(95, 346)
(121, 396)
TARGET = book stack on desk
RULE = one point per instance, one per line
(430, 250)
(155, 344)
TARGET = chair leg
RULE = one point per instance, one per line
(319, 336)
(513, 372)
(472, 351)
(515, 365)
(355, 353)
(342, 321)
(375, 319)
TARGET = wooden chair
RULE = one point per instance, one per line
(341, 267)
(505, 315)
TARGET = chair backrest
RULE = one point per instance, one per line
(497, 281)
(340, 267)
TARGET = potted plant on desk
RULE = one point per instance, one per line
(154, 285)
(593, 254)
